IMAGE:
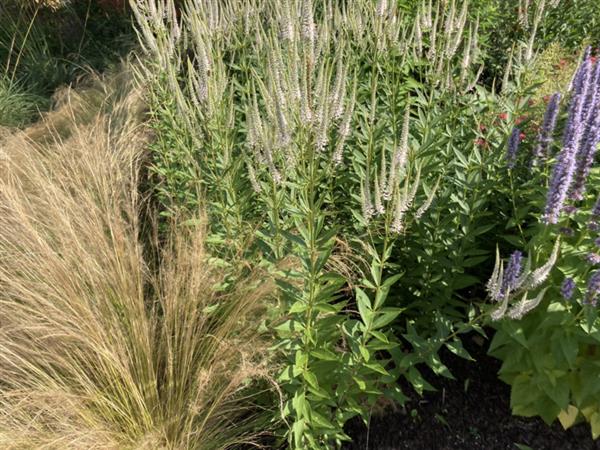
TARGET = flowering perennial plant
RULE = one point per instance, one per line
(567, 288)
(513, 147)
(504, 285)
(547, 129)
(580, 139)
(300, 127)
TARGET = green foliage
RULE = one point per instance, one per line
(549, 357)
(17, 106)
(43, 48)
(354, 154)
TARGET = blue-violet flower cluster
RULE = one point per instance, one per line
(581, 137)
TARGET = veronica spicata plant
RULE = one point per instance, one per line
(267, 113)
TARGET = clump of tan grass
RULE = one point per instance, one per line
(99, 348)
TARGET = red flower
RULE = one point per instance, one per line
(522, 136)
(520, 119)
(547, 98)
(593, 59)
(482, 127)
(480, 142)
(503, 116)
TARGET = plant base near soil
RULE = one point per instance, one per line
(453, 418)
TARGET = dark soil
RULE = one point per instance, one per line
(455, 418)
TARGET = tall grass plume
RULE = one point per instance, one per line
(99, 346)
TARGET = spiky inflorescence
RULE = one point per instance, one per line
(366, 201)
(513, 147)
(400, 156)
(593, 289)
(494, 284)
(502, 285)
(379, 208)
(593, 258)
(567, 288)
(308, 27)
(564, 169)
(285, 22)
(539, 275)
(344, 128)
(381, 9)
(425, 206)
(524, 305)
(512, 273)
(545, 135)
(591, 135)
(252, 177)
(404, 200)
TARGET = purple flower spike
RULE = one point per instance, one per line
(567, 288)
(513, 147)
(513, 270)
(569, 232)
(593, 289)
(593, 259)
(590, 138)
(564, 169)
(592, 93)
(597, 242)
(545, 135)
(576, 81)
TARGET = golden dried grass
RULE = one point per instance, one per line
(98, 349)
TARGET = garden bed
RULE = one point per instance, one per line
(469, 413)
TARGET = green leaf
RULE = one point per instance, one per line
(464, 280)
(320, 421)
(324, 354)
(380, 336)
(364, 306)
(390, 281)
(457, 348)
(311, 379)
(386, 316)
(361, 384)
(298, 432)
(290, 326)
(364, 352)
(298, 307)
(377, 368)
(299, 404)
(417, 381)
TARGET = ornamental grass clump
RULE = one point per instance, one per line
(106, 339)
